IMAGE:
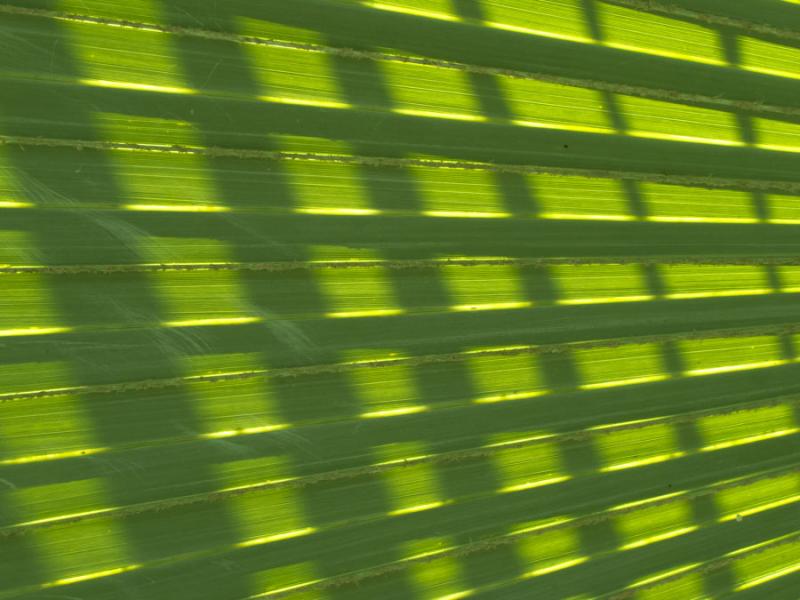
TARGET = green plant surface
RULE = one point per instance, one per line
(413, 299)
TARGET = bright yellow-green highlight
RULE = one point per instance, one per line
(491, 306)
(640, 31)
(745, 500)
(769, 58)
(440, 579)
(355, 314)
(190, 208)
(415, 487)
(651, 525)
(724, 431)
(585, 217)
(394, 412)
(777, 135)
(338, 212)
(387, 392)
(789, 278)
(709, 281)
(635, 448)
(31, 458)
(689, 585)
(562, 126)
(90, 576)
(32, 331)
(136, 87)
(46, 430)
(234, 408)
(502, 378)
(107, 554)
(528, 467)
(217, 435)
(284, 519)
(125, 58)
(585, 284)
(221, 322)
(783, 209)
(458, 192)
(430, 10)
(669, 121)
(579, 197)
(285, 578)
(312, 182)
(293, 76)
(481, 288)
(680, 203)
(149, 131)
(562, 19)
(268, 539)
(722, 355)
(608, 367)
(151, 182)
(253, 473)
(762, 567)
(350, 292)
(509, 396)
(412, 112)
(422, 90)
(461, 214)
(549, 551)
(201, 299)
(304, 102)
(543, 104)
(42, 504)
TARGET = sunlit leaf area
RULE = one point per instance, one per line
(399, 299)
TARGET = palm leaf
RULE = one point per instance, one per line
(403, 299)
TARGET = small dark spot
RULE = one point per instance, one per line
(566, 146)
